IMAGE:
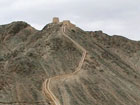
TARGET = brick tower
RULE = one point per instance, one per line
(56, 20)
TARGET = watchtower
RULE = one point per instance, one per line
(56, 20)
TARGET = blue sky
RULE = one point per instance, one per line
(114, 17)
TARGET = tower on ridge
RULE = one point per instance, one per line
(56, 20)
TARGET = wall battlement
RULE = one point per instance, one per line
(68, 23)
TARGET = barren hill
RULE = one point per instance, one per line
(65, 65)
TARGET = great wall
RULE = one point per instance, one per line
(46, 85)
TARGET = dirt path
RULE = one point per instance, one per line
(46, 85)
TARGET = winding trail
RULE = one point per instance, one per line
(46, 85)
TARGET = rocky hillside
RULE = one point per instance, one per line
(64, 65)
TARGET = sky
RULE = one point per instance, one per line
(114, 17)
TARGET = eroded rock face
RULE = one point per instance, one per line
(110, 73)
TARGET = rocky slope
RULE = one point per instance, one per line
(109, 73)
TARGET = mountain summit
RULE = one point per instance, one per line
(65, 65)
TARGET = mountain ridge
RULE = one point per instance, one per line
(109, 74)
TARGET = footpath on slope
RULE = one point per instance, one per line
(46, 84)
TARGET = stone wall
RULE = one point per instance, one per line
(68, 23)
